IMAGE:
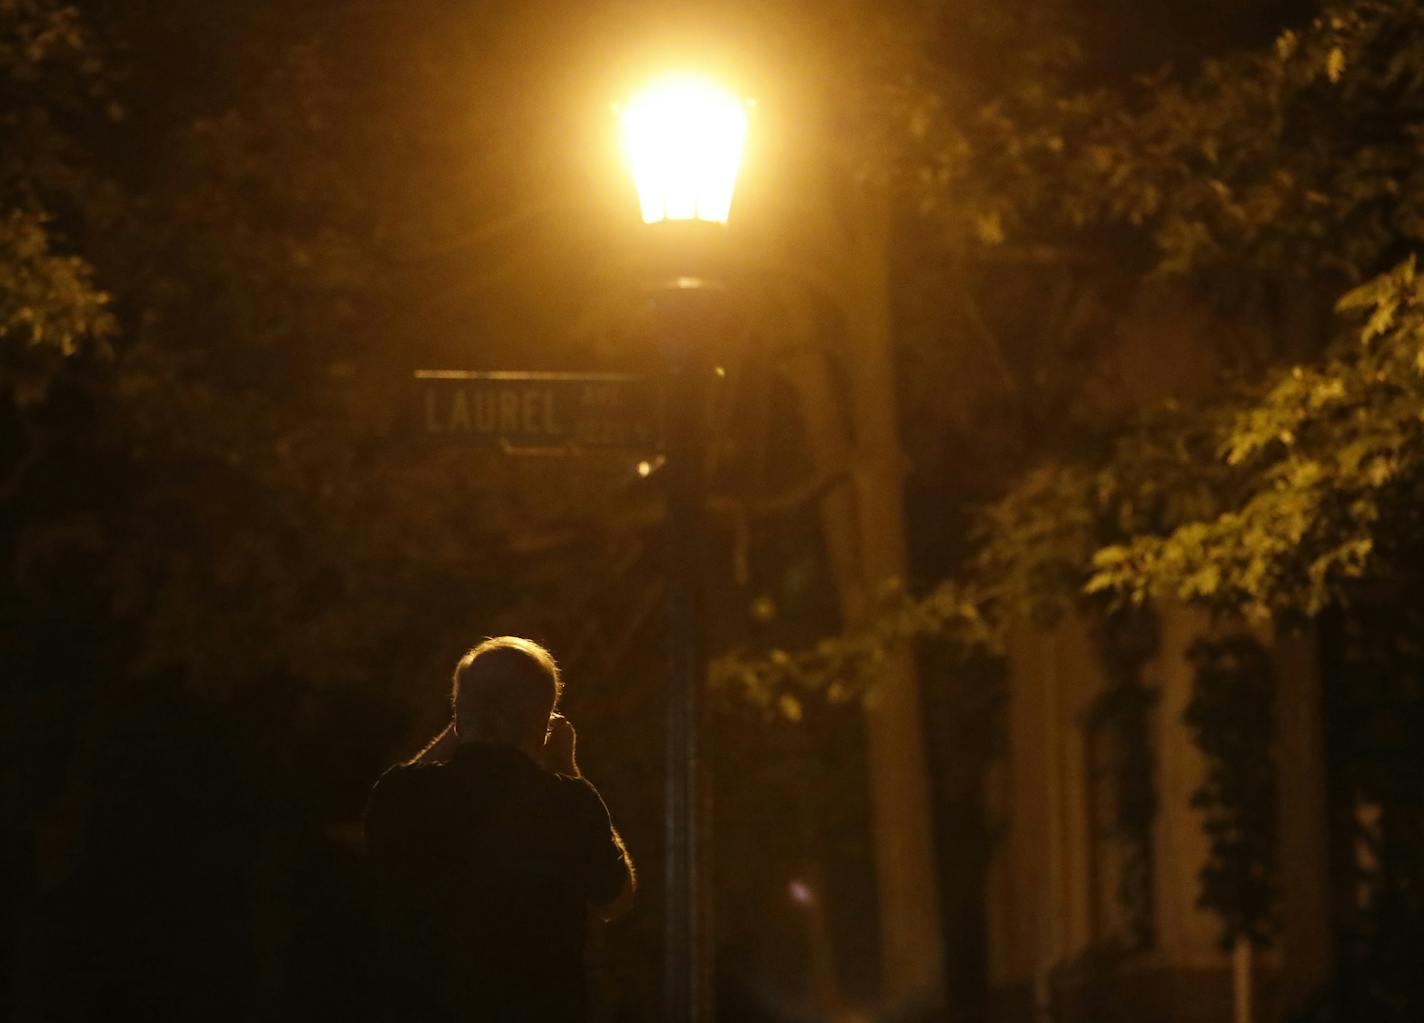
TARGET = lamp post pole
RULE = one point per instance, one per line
(687, 952)
(684, 136)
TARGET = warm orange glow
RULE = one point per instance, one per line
(683, 135)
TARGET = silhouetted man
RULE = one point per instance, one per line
(489, 850)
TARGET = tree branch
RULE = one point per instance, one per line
(990, 339)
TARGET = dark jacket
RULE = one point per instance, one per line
(485, 867)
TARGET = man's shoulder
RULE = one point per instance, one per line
(399, 781)
(577, 793)
(409, 772)
(574, 785)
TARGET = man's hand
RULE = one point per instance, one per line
(559, 747)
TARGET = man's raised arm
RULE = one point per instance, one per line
(613, 881)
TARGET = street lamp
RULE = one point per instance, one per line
(683, 136)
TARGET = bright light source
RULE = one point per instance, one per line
(645, 469)
(684, 136)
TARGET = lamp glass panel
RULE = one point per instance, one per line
(684, 137)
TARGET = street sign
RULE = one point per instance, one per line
(539, 410)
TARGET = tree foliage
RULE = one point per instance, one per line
(50, 77)
(1279, 493)
(1328, 459)
(1232, 718)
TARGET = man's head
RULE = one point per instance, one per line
(504, 691)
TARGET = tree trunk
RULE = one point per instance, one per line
(864, 525)
(1306, 954)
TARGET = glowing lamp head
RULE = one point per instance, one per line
(684, 135)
